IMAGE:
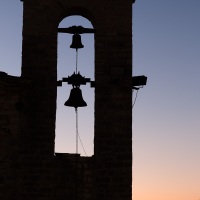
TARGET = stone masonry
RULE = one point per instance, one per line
(29, 167)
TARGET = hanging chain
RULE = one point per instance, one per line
(82, 145)
(135, 98)
(76, 177)
(76, 61)
(78, 138)
(76, 110)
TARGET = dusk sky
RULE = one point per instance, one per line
(166, 115)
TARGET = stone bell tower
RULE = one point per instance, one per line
(107, 175)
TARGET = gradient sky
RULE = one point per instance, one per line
(166, 115)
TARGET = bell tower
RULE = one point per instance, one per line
(111, 165)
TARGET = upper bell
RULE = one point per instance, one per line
(76, 42)
(75, 99)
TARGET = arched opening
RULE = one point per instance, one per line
(65, 140)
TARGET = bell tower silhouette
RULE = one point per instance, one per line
(110, 168)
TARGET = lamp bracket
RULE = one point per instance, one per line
(138, 81)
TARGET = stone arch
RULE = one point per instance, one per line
(77, 10)
(65, 67)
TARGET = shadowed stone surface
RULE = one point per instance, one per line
(29, 170)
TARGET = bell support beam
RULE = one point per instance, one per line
(75, 80)
(78, 79)
(76, 30)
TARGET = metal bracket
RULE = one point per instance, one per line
(76, 30)
(74, 80)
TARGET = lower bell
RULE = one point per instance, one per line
(75, 99)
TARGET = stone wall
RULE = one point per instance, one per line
(24, 175)
(30, 169)
(11, 92)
